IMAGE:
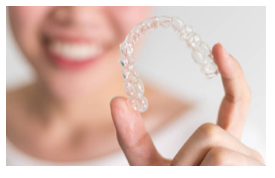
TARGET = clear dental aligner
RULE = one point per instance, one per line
(133, 86)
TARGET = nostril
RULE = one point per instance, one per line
(60, 15)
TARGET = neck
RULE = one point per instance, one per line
(93, 106)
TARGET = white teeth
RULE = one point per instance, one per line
(76, 52)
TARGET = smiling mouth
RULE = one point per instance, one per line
(73, 54)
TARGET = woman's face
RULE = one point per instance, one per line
(73, 49)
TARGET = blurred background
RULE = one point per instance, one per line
(166, 62)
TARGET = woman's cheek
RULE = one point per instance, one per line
(127, 17)
(26, 23)
(25, 18)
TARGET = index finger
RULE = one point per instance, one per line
(235, 104)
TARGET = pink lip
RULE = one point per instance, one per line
(69, 64)
(73, 39)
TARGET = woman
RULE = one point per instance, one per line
(65, 115)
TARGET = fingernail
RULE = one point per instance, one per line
(225, 53)
(112, 98)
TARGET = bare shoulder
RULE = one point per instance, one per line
(163, 107)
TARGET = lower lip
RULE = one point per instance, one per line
(70, 64)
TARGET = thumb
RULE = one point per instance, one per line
(133, 138)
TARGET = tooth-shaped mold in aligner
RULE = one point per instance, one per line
(133, 85)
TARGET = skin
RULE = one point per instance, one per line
(211, 144)
(64, 115)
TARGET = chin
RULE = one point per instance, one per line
(67, 88)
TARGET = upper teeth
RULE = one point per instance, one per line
(73, 51)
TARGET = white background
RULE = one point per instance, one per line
(165, 61)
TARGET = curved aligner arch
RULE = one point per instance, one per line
(133, 86)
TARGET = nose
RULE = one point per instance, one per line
(78, 15)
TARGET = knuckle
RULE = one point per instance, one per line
(209, 131)
(218, 156)
(243, 96)
(132, 142)
(231, 98)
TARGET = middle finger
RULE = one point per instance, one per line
(205, 138)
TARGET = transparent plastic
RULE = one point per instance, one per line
(133, 85)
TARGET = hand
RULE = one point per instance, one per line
(210, 144)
